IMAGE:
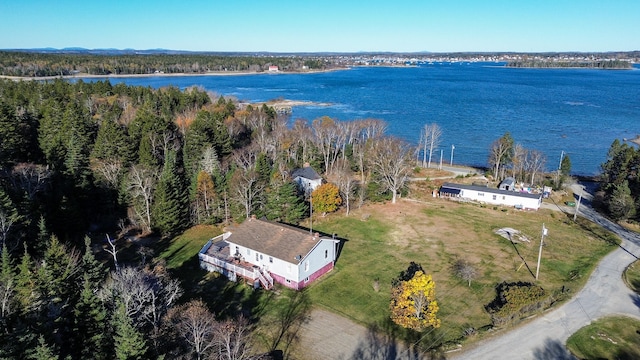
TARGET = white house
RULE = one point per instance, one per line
(489, 195)
(266, 252)
(306, 178)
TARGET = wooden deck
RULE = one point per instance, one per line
(216, 256)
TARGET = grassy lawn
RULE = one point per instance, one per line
(632, 276)
(609, 338)
(381, 241)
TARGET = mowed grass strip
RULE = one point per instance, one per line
(608, 338)
(381, 241)
(632, 276)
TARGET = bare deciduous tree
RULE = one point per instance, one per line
(518, 161)
(246, 188)
(431, 134)
(109, 169)
(465, 270)
(345, 181)
(501, 153)
(196, 325)
(534, 163)
(141, 183)
(30, 178)
(233, 340)
(390, 159)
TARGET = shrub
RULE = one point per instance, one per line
(516, 300)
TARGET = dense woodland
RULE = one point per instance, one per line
(82, 160)
(31, 64)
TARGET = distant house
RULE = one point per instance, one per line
(273, 68)
(306, 178)
(489, 195)
(508, 184)
(265, 252)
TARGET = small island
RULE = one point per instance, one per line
(576, 64)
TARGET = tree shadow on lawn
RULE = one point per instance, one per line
(387, 341)
(552, 349)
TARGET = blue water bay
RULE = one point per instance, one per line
(578, 111)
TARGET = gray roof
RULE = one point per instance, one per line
(274, 239)
(448, 186)
(306, 172)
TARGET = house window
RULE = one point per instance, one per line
(480, 194)
(288, 281)
(504, 197)
(326, 254)
(288, 268)
(495, 197)
(256, 256)
(270, 259)
(306, 280)
(306, 265)
(248, 251)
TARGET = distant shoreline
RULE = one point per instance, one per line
(210, 73)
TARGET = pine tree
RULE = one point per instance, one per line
(90, 267)
(89, 323)
(25, 282)
(43, 351)
(284, 204)
(7, 287)
(170, 208)
(128, 341)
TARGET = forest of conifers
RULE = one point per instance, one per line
(79, 160)
(33, 64)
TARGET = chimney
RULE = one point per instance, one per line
(307, 165)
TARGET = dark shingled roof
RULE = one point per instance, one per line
(274, 239)
(306, 172)
(447, 187)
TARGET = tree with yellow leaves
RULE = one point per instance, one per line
(413, 303)
(326, 198)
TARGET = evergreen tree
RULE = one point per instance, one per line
(128, 341)
(56, 292)
(43, 351)
(284, 204)
(170, 208)
(89, 323)
(25, 283)
(112, 143)
(92, 269)
(7, 288)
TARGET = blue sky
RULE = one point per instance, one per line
(330, 25)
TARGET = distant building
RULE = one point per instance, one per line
(306, 178)
(482, 194)
(273, 68)
(508, 184)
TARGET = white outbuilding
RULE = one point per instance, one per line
(483, 194)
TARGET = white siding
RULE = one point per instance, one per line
(501, 199)
(317, 259)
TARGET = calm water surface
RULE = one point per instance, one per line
(577, 111)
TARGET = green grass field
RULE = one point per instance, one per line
(609, 338)
(435, 235)
(381, 240)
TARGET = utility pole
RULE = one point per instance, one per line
(452, 148)
(559, 167)
(544, 232)
(441, 151)
(575, 214)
